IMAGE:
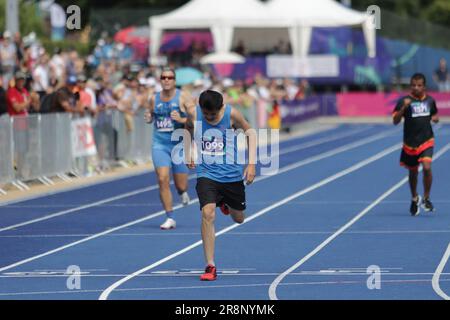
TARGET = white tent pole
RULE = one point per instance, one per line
(294, 38)
(305, 40)
(370, 38)
(155, 41)
(300, 37)
(222, 37)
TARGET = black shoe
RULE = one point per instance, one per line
(427, 205)
(414, 209)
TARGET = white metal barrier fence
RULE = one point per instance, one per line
(6, 151)
(38, 147)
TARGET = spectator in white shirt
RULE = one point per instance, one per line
(41, 76)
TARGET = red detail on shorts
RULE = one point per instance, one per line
(417, 151)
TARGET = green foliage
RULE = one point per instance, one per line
(83, 49)
(28, 18)
(439, 12)
(434, 11)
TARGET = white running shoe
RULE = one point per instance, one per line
(185, 198)
(168, 224)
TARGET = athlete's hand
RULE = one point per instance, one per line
(175, 115)
(406, 103)
(191, 164)
(148, 116)
(249, 174)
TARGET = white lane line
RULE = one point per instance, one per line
(169, 274)
(437, 274)
(401, 281)
(301, 202)
(87, 239)
(153, 187)
(302, 163)
(276, 282)
(116, 179)
(321, 141)
(249, 233)
(317, 185)
(86, 206)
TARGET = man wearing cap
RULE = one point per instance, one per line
(17, 97)
(65, 99)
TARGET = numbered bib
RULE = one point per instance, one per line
(213, 146)
(419, 109)
(164, 124)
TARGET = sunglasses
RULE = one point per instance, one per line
(167, 78)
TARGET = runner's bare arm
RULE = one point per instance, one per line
(185, 101)
(398, 115)
(435, 118)
(189, 134)
(148, 115)
(238, 122)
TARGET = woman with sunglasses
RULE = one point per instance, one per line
(167, 111)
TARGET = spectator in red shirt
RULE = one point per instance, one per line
(18, 99)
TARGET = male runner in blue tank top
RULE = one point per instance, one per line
(167, 110)
(219, 175)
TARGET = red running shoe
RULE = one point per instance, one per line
(224, 208)
(210, 273)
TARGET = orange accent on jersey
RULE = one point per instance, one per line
(416, 151)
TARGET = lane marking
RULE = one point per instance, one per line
(192, 176)
(157, 214)
(131, 175)
(315, 186)
(276, 282)
(219, 286)
(437, 274)
(244, 233)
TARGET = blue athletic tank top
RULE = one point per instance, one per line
(163, 125)
(217, 149)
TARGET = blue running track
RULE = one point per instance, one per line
(332, 223)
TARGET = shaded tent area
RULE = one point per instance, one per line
(260, 26)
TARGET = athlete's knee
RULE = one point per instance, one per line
(163, 180)
(427, 170)
(208, 213)
(426, 166)
(239, 218)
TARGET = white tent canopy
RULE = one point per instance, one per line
(300, 16)
(224, 17)
(221, 17)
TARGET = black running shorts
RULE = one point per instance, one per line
(230, 193)
(412, 162)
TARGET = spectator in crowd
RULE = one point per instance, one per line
(17, 97)
(442, 76)
(3, 108)
(8, 58)
(65, 99)
(304, 90)
(85, 98)
(58, 66)
(19, 46)
(104, 125)
(41, 76)
(291, 88)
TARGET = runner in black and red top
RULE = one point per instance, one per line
(419, 110)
